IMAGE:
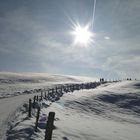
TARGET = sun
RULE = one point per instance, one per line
(82, 35)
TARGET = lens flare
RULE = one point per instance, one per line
(82, 35)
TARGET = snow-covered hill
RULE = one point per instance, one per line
(111, 111)
(12, 84)
(26, 85)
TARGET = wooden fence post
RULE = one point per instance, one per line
(37, 118)
(34, 101)
(45, 95)
(49, 126)
(37, 98)
(30, 106)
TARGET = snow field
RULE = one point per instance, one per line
(51, 97)
(17, 88)
(111, 111)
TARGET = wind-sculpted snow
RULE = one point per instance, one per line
(129, 101)
(137, 85)
(108, 112)
(108, 105)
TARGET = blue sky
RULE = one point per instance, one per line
(35, 37)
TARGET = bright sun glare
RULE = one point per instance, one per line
(82, 35)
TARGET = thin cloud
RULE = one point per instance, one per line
(41, 39)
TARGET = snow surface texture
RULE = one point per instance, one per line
(17, 88)
(111, 111)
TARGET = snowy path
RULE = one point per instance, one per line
(8, 106)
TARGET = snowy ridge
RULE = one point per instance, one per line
(13, 84)
(108, 112)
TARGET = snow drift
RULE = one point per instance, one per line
(108, 112)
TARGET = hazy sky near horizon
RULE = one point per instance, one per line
(35, 37)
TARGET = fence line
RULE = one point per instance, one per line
(54, 94)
